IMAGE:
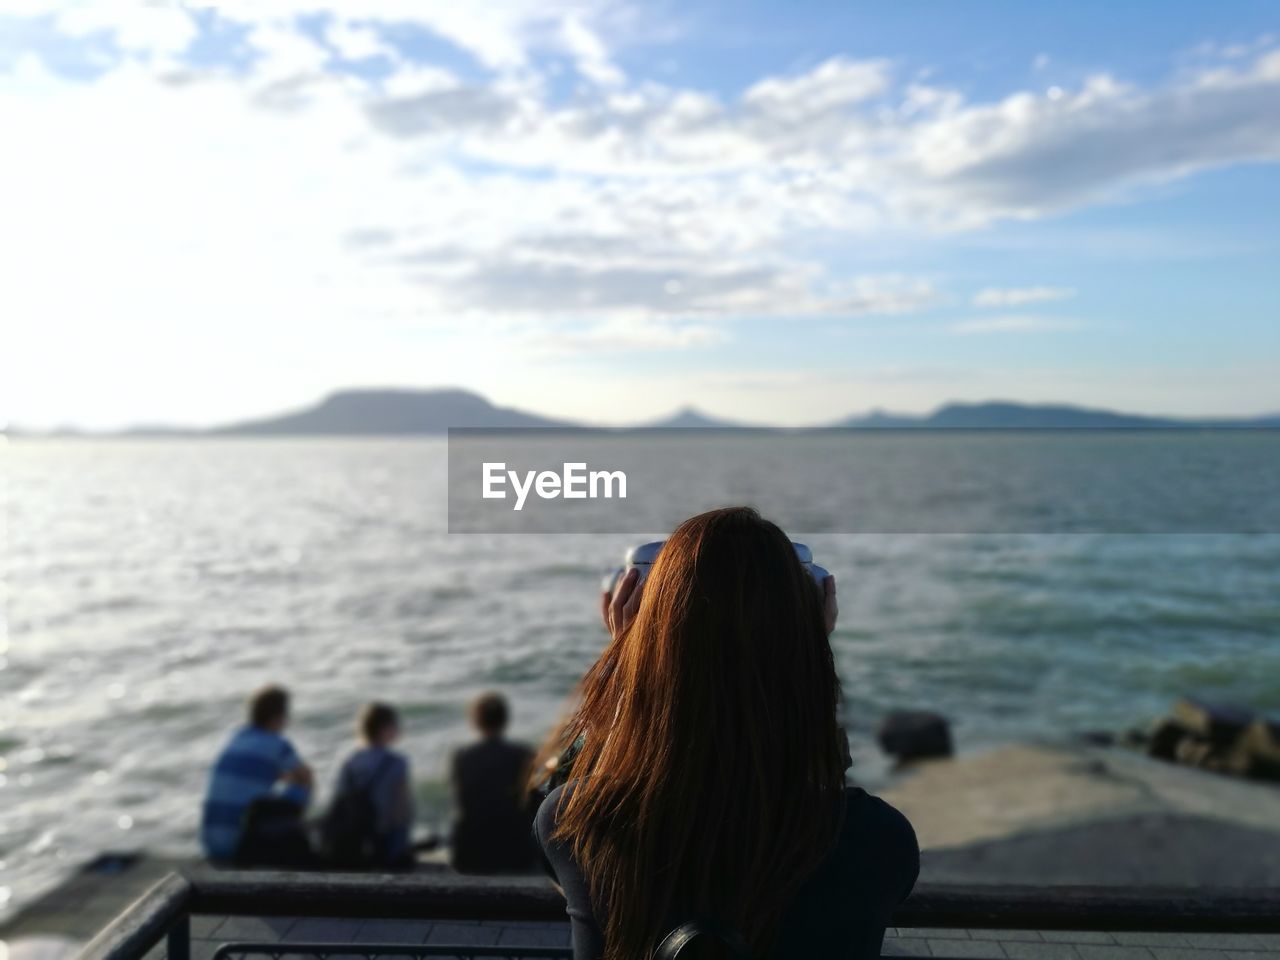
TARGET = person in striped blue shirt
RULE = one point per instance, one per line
(257, 762)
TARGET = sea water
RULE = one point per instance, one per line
(152, 584)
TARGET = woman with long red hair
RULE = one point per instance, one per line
(708, 785)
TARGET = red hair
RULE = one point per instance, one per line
(710, 777)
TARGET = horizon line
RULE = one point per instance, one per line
(10, 429)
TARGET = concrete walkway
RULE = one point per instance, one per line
(1045, 816)
(209, 932)
(1034, 815)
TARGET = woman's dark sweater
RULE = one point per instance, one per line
(841, 910)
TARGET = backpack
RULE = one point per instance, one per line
(350, 827)
(272, 835)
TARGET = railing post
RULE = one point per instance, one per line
(179, 945)
(145, 922)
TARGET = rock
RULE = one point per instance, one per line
(915, 735)
(1220, 724)
(1218, 737)
(1164, 739)
(1256, 752)
(1192, 751)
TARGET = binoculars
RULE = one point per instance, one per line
(642, 557)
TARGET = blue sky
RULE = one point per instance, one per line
(777, 212)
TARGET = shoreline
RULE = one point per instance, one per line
(1040, 812)
(1048, 813)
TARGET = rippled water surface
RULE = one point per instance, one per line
(152, 584)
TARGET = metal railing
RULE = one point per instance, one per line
(165, 910)
(370, 951)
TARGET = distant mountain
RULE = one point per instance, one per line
(1020, 416)
(880, 420)
(389, 412)
(383, 412)
(690, 418)
(1039, 417)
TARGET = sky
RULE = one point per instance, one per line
(777, 212)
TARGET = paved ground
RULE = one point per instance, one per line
(1044, 816)
(1139, 850)
(208, 932)
(84, 903)
(1079, 945)
(1022, 814)
(1192, 828)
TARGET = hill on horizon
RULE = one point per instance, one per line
(408, 411)
(1003, 414)
(691, 418)
(402, 411)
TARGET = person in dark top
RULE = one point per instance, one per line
(840, 910)
(491, 832)
(708, 783)
(370, 820)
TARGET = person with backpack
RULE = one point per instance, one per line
(368, 824)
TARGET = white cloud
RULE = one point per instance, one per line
(622, 336)
(832, 84)
(285, 52)
(589, 51)
(565, 275)
(357, 42)
(1029, 156)
(158, 29)
(1013, 323)
(169, 206)
(822, 150)
(500, 34)
(1020, 296)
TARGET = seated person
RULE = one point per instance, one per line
(369, 823)
(258, 764)
(488, 778)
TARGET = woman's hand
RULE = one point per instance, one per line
(618, 609)
(830, 609)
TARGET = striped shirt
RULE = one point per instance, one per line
(250, 766)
